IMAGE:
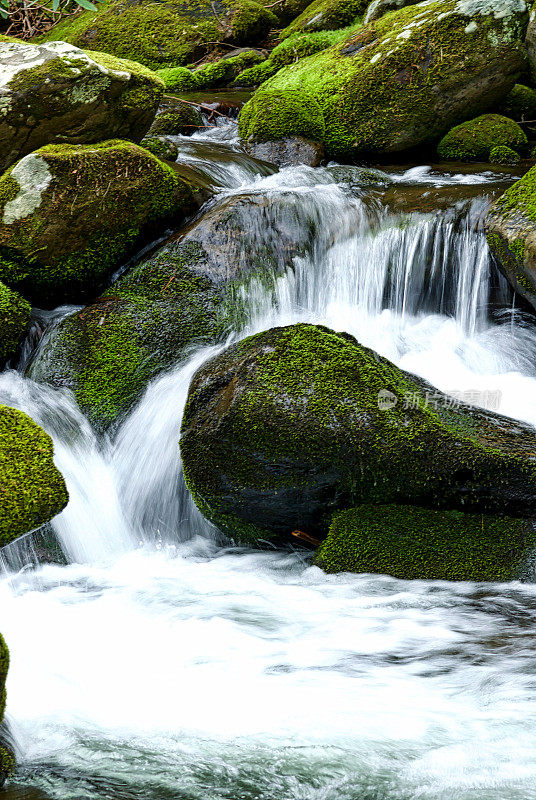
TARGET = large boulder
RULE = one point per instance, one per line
(70, 213)
(326, 15)
(428, 544)
(55, 92)
(400, 81)
(31, 488)
(165, 34)
(474, 140)
(187, 294)
(290, 425)
(14, 317)
(511, 234)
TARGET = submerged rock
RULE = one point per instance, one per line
(511, 234)
(474, 140)
(290, 425)
(70, 213)
(165, 34)
(14, 318)
(288, 152)
(57, 93)
(428, 544)
(400, 81)
(33, 491)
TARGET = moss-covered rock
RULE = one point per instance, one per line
(186, 294)
(290, 425)
(180, 118)
(32, 489)
(57, 93)
(511, 235)
(378, 8)
(326, 15)
(161, 147)
(503, 155)
(475, 139)
(519, 104)
(268, 113)
(14, 318)
(166, 34)
(70, 213)
(428, 544)
(402, 80)
(178, 79)
(7, 758)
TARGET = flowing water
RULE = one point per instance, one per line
(160, 662)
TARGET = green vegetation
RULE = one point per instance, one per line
(180, 119)
(32, 489)
(267, 114)
(503, 155)
(72, 212)
(474, 140)
(519, 104)
(427, 544)
(14, 318)
(161, 147)
(164, 34)
(326, 15)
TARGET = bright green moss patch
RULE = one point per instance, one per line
(474, 140)
(419, 543)
(32, 491)
(70, 213)
(325, 15)
(178, 79)
(519, 104)
(4, 667)
(277, 115)
(14, 317)
(164, 34)
(503, 155)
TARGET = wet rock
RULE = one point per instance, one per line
(33, 491)
(177, 118)
(428, 544)
(161, 147)
(398, 82)
(70, 213)
(511, 235)
(290, 425)
(474, 140)
(288, 152)
(57, 93)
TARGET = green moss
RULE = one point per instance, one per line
(285, 427)
(165, 34)
(474, 140)
(519, 104)
(276, 115)
(181, 119)
(88, 217)
(178, 79)
(382, 89)
(4, 667)
(161, 147)
(14, 318)
(418, 543)
(503, 155)
(325, 15)
(31, 488)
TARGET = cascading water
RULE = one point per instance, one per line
(160, 664)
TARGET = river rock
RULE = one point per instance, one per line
(70, 213)
(55, 92)
(188, 293)
(33, 491)
(7, 758)
(165, 34)
(177, 118)
(398, 82)
(511, 234)
(14, 317)
(428, 544)
(288, 152)
(474, 140)
(290, 425)
(161, 147)
(322, 15)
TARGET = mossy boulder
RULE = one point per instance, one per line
(401, 81)
(511, 234)
(14, 317)
(70, 213)
(326, 15)
(7, 758)
(55, 93)
(427, 544)
(186, 294)
(179, 118)
(161, 147)
(519, 104)
(503, 155)
(268, 113)
(32, 489)
(165, 34)
(293, 424)
(474, 140)
(378, 8)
